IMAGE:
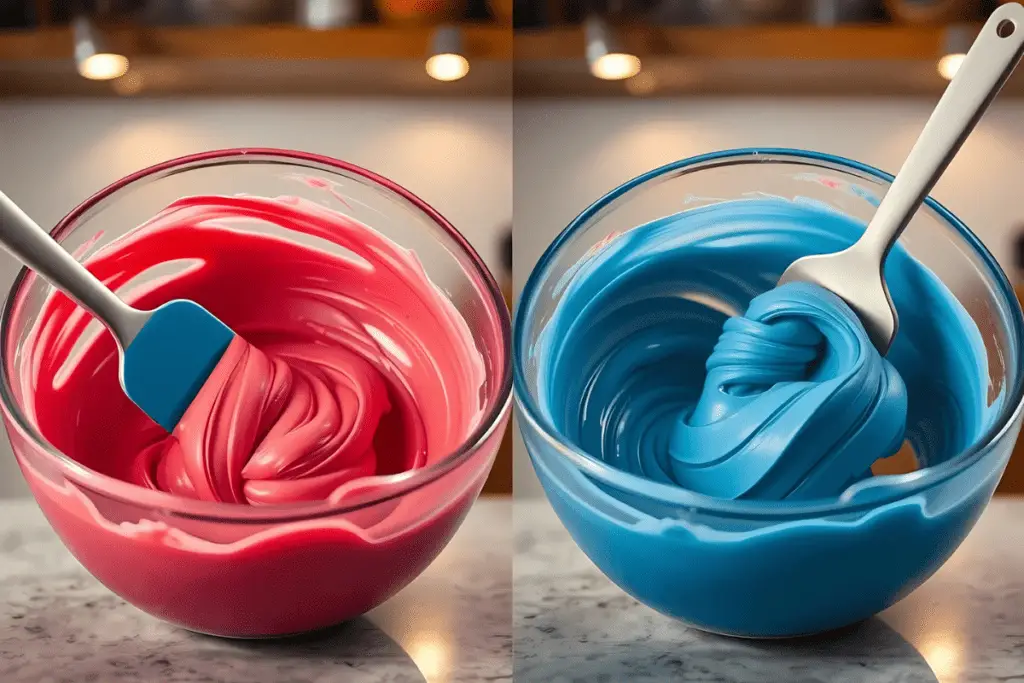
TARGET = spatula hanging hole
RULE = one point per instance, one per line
(1006, 28)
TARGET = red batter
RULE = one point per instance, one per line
(347, 369)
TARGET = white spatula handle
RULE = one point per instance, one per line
(982, 74)
(30, 244)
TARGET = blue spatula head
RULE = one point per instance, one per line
(170, 359)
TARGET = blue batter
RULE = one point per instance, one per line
(672, 355)
(797, 403)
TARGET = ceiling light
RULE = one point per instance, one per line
(607, 59)
(446, 62)
(93, 59)
(957, 42)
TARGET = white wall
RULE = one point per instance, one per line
(567, 154)
(456, 155)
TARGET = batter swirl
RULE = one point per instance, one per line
(797, 403)
(350, 363)
(673, 355)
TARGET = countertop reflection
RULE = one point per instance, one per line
(964, 625)
(451, 625)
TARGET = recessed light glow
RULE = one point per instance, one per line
(950, 64)
(93, 58)
(104, 66)
(615, 66)
(608, 58)
(447, 67)
(956, 42)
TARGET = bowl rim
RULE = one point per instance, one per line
(398, 484)
(906, 486)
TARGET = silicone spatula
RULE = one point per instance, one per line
(856, 273)
(166, 354)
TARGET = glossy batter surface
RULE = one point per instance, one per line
(797, 403)
(349, 363)
(672, 355)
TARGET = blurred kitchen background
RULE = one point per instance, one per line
(416, 90)
(608, 90)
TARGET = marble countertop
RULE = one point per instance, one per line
(964, 625)
(451, 625)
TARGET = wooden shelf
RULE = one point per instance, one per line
(763, 60)
(382, 60)
(264, 60)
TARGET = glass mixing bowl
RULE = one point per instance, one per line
(237, 570)
(763, 568)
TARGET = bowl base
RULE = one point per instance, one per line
(798, 636)
(312, 634)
